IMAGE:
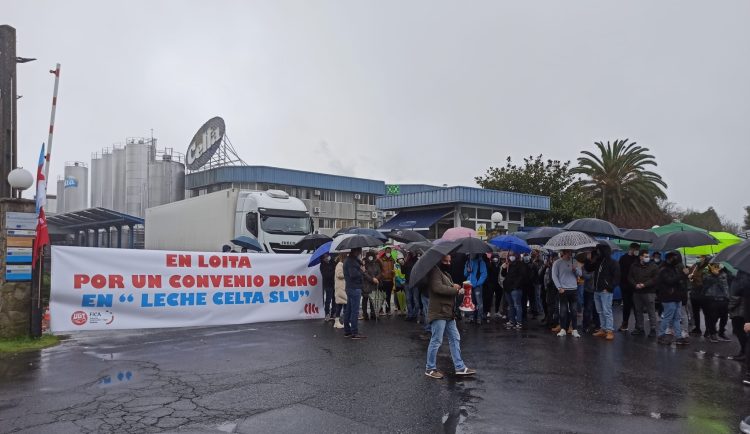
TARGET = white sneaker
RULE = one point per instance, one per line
(338, 324)
(562, 333)
(576, 334)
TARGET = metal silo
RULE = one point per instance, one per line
(137, 157)
(96, 180)
(166, 181)
(118, 179)
(60, 195)
(76, 186)
(107, 178)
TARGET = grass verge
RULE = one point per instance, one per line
(18, 345)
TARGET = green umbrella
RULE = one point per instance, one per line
(676, 226)
(725, 240)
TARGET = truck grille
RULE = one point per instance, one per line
(281, 248)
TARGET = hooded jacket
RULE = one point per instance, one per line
(647, 274)
(514, 275)
(606, 270)
(475, 272)
(373, 270)
(352, 273)
(716, 286)
(442, 296)
(672, 285)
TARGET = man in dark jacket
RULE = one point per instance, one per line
(626, 263)
(514, 272)
(492, 288)
(327, 273)
(643, 277)
(354, 278)
(606, 278)
(441, 317)
(672, 288)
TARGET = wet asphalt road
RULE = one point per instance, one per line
(303, 376)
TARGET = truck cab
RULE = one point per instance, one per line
(275, 219)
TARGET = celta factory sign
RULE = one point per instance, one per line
(205, 143)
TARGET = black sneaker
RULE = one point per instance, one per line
(347, 335)
(652, 333)
(466, 371)
(637, 332)
(696, 332)
(746, 381)
(723, 338)
(713, 339)
(358, 337)
(683, 341)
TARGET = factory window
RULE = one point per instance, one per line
(514, 216)
(367, 199)
(304, 193)
(342, 196)
(484, 214)
(344, 223)
(328, 195)
(468, 213)
(324, 223)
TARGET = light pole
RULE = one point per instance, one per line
(497, 219)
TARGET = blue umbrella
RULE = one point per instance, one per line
(318, 254)
(248, 243)
(509, 242)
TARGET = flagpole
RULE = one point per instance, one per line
(36, 302)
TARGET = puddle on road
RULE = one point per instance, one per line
(117, 378)
(227, 427)
(453, 422)
(104, 356)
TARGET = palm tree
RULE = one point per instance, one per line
(620, 180)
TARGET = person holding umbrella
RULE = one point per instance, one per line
(373, 270)
(441, 317)
(606, 277)
(513, 271)
(672, 286)
(340, 291)
(565, 274)
(475, 272)
(354, 277)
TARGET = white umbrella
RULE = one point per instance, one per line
(570, 240)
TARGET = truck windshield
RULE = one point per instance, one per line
(285, 225)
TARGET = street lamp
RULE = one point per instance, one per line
(497, 218)
(20, 179)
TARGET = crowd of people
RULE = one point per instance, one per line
(553, 288)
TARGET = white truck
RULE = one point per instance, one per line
(206, 223)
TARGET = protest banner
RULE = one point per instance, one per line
(104, 289)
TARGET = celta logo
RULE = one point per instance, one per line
(311, 309)
(70, 182)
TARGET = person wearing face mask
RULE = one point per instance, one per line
(387, 276)
(443, 293)
(513, 271)
(643, 276)
(354, 278)
(626, 263)
(716, 302)
(606, 277)
(475, 271)
(373, 270)
(328, 275)
(565, 274)
(492, 287)
(340, 292)
(672, 288)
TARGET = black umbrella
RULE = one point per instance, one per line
(473, 246)
(430, 259)
(363, 231)
(729, 251)
(418, 246)
(405, 236)
(359, 242)
(593, 226)
(343, 231)
(677, 240)
(639, 235)
(612, 245)
(739, 257)
(312, 241)
(542, 235)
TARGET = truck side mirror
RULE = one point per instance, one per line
(251, 223)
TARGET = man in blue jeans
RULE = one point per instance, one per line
(475, 271)
(353, 277)
(606, 277)
(443, 294)
(513, 271)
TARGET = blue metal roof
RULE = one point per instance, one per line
(415, 188)
(276, 175)
(416, 220)
(465, 195)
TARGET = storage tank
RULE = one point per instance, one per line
(96, 180)
(76, 186)
(60, 195)
(118, 179)
(107, 179)
(166, 181)
(137, 157)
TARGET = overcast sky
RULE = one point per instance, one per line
(401, 91)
